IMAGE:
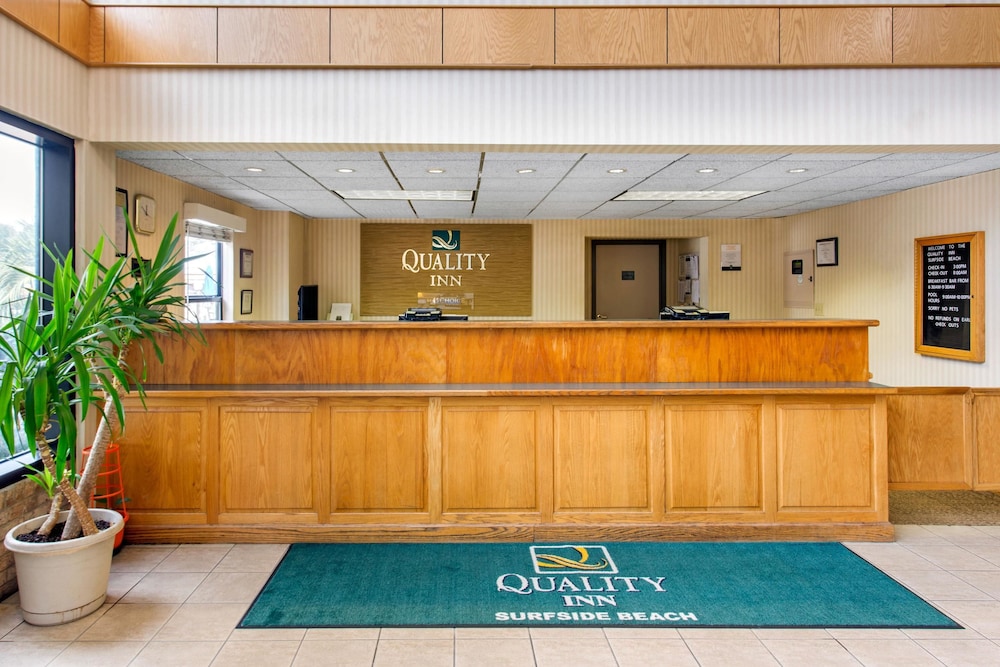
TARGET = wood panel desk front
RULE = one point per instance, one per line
(523, 431)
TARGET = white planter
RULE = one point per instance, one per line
(59, 582)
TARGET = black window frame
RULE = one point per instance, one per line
(57, 208)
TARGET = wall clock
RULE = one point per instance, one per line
(145, 214)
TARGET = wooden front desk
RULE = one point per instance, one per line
(512, 431)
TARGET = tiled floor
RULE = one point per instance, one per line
(179, 605)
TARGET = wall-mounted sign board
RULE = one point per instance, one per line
(480, 270)
(949, 302)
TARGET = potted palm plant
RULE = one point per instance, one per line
(63, 356)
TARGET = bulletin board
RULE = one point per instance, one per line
(949, 300)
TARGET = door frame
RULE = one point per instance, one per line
(661, 260)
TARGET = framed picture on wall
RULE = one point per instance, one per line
(828, 252)
(246, 301)
(246, 263)
(121, 233)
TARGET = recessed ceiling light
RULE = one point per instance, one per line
(423, 195)
(435, 170)
(616, 170)
(687, 195)
(525, 171)
(707, 170)
(255, 170)
(797, 170)
(345, 170)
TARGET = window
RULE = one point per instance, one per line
(203, 272)
(37, 195)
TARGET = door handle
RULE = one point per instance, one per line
(602, 317)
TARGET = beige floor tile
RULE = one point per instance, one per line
(417, 633)
(10, 618)
(791, 633)
(336, 653)
(579, 652)
(132, 622)
(177, 654)
(55, 633)
(492, 633)
(809, 652)
(892, 557)
(983, 617)
(566, 633)
(342, 633)
(986, 582)
(641, 633)
(252, 558)
(229, 587)
(643, 652)
(988, 552)
(951, 634)
(906, 534)
(256, 654)
(164, 587)
(866, 633)
(30, 654)
(727, 652)
(267, 634)
(951, 557)
(202, 622)
(942, 585)
(417, 652)
(194, 558)
(889, 652)
(120, 583)
(493, 652)
(964, 535)
(98, 654)
(717, 633)
(140, 558)
(963, 652)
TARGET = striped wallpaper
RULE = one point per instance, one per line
(862, 109)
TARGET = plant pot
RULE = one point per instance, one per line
(60, 582)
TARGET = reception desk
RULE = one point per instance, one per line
(367, 431)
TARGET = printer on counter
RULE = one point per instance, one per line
(691, 313)
(429, 315)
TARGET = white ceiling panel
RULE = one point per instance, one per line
(563, 185)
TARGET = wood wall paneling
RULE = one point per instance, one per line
(267, 461)
(379, 457)
(41, 16)
(813, 441)
(987, 439)
(729, 36)
(611, 36)
(714, 457)
(164, 456)
(836, 35)
(274, 36)
(95, 54)
(602, 457)
(946, 35)
(490, 458)
(499, 36)
(74, 28)
(161, 35)
(398, 36)
(930, 440)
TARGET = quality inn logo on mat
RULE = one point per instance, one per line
(569, 558)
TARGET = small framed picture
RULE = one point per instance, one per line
(246, 301)
(827, 252)
(121, 232)
(246, 263)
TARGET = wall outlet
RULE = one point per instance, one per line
(818, 309)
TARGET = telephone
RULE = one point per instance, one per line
(691, 313)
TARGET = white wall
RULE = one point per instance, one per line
(875, 276)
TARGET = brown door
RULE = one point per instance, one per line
(628, 279)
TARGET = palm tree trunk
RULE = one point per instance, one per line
(67, 490)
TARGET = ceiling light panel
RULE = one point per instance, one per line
(452, 168)
(543, 169)
(634, 170)
(239, 168)
(690, 195)
(329, 168)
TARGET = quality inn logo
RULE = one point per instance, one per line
(571, 558)
(446, 239)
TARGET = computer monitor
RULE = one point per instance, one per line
(309, 302)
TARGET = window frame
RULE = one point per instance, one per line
(57, 215)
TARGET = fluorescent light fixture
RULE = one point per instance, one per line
(798, 170)
(707, 170)
(422, 195)
(687, 195)
(255, 170)
(616, 170)
(345, 170)
(435, 170)
(525, 171)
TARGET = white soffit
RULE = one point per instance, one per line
(213, 216)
